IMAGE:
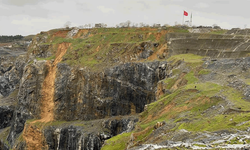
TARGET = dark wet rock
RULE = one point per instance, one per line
(84, 95)
(121, 90)
(28, 97)
(6, 114)
(146, 50)
(118, 126)
(3, 146)
(146, 53)
(89, 135)
(10, 74)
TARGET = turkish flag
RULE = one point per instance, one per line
(185, 13)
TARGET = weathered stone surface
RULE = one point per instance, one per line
(89, 135)
(216, 46)
(72, 32)
(29, 97)
(84, 95)
(6, 114)
(118, 126)
(38, 48)
(3, 146)
(10, 74)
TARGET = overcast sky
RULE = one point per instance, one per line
(32, 16)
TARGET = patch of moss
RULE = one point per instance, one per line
(47, 58)
(191, 78)
(236, 97)
(199, 145)
(142, 137)
(204, 72)
(4, 134)
(169, 82)
(117, 142)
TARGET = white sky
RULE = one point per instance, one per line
(32, 16)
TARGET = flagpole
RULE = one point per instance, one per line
(182, 17)
(191, 17)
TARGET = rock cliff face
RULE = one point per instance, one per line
(216, 46)
(77, 89)
(6, 114)
(29, 98)
(11, 71)
(84, 95)
(80, 94)
(122, 90)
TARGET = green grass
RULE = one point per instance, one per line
(192, 100)
(205, 88)
(199, 145)
(189, 58)
(4, 134)
(195, 103)
(218, 122)
(204, 72)
(191, 78)
(83, 51)
(169, 82)
(118, 142)
(47, 58)
(236, 97)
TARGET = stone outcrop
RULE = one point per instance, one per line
(84, 95)
(29, 97)
(83, 135)
(216, 46)
(6, 114)
(91, 105)
(11, 70)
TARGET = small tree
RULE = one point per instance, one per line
(127, 23)
(141, 24)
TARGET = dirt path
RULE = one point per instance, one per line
(31, 134)
(47, 110)
(34, 138)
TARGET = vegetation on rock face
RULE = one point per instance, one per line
(118, 142)
(194, 99)
(102, 47)
(194, 105)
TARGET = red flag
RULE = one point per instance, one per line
(185, 13)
